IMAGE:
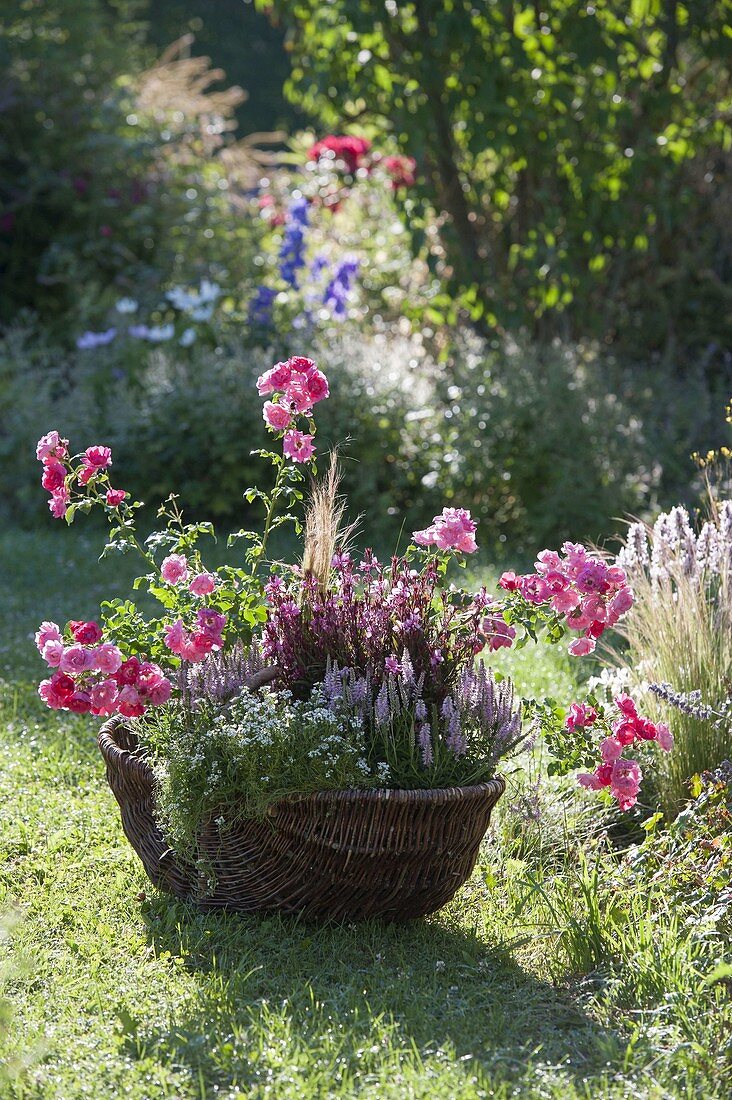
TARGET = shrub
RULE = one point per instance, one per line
(534, 442)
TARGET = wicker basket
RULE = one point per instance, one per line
(338, 854)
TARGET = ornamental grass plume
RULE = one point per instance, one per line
(324, 530)
(679, 632)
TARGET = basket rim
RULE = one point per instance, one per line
(111, 751)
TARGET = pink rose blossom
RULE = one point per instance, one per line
(276, 416)
(298, 446)
(126, 675)
(176, 636)
(79, 702)
(546, 561)
(197, 646)
(47, 632)
(98, 457)
(86, 473)
(580, 716)
(318, 386)
(564, 602)
(624, 731)
(129, 703)
(276, 378)
(174, 569)
(107, 658)
(54, 475)
(626, 706)
(621, 602)
(454, 529)
(76, 659)
(53, 651)
(625, 783)
(160, 694)
(86, 633)
(202, 585)
(581, 647)
(535, 589)
(51, 446)
(114, 497)
(59, 502)
(610, 750)
(51, 696)
(593, 607)
(664, 737)
(509, 581)
(103, 697)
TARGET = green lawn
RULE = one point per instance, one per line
(113, 989)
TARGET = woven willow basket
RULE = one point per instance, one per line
(336, 854)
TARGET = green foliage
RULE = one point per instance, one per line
(577, 153)
(535, 442)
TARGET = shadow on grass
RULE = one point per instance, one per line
(423, 989)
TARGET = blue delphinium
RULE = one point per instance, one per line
(260, 307)
(292, 250)
(338, 290)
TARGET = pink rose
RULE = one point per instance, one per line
(86, 633)
(79, 702)
(564, 602)
(626, 706)
(298, 395)
(50, 696)
(664, 737)
(76, 660)
(535, 589)
(621, 602)
(197, 646)
(86, 473)
(298, 446)
(126, 675)
(47, 632)
(51, 446)
(103, 697)
(149, 676)
(107, 658)
(276, 416)
(318, 386)
(616, 576)
(176, 637)
(115, 497)
(454, 529)
(509, 581)
(610, 750)
(202, 585)
(581, 647)
(174, 569)
(160, 694)
(593, 607)
(98, 457)
(624, 731)
(54, 475)
(625, 783)
(276, 378)
(580, 716)
(59, 502)
(547, 561)
(129, 703)
(53, 651)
